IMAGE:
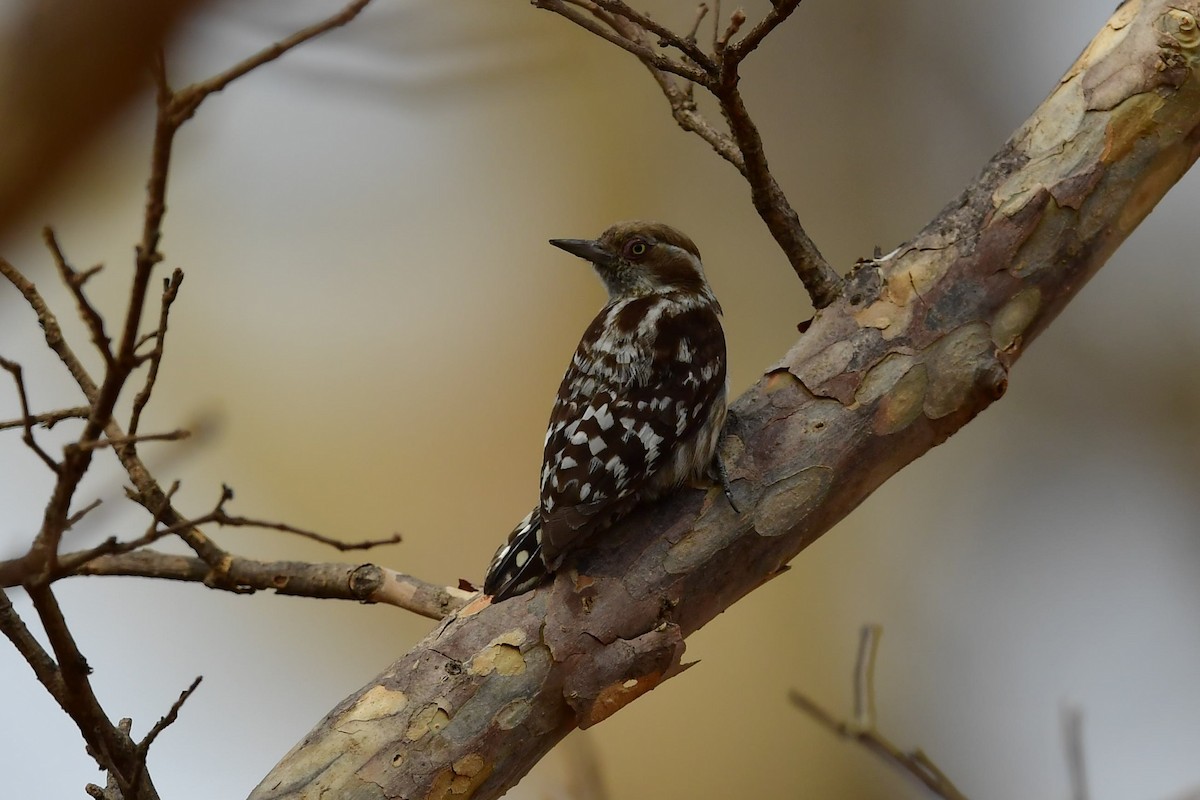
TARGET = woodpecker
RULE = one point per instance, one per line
(640, 409)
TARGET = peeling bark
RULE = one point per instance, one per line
(921, 342)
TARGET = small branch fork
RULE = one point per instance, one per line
(862, 729)
(62, 668)
(716, 71)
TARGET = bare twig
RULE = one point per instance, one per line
(27, 419)
(780, 10)
(863, 730)
(823, 283)
(35, 656)
(83, 512)
(68, 682)
(742, 147)
(226, 520)
(639, 49)
(112, 749)
(183, 103)
(666, 36)
(163, 723)
(75, 281)
(364, 583)
(127, 440)
(864, 675)
(736, 20)
(683, 106)
(50, 329)
(170, 292)
(701, 13)
(1072, 731)
(48, 419)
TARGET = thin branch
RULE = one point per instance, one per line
(170, 292)
(75, 281)
(683, 106)
(780, 10)
(183, 104)
(639, 49)
(35, 656)
(111, 749)
(716, 24)
(68, 681)
(50, 329)
(12, 572)
(27, 419)
(736, 20)
(823, 283)
(83, 512)
(915, 763)
(1072, 732)
(48, 419)
(701, 13)
(127, 440)
(863, 729)
(143, 748)
(226, 520)
(223, 518)
(666, 36)
(363, 583)
(615, 22)
(864, 675)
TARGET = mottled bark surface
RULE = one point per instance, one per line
(920, 344)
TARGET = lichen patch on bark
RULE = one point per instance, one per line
(459, 780)
(513, 714)
(375, 704)
(789, 498)
(502, 655)
(900, 407)
(882, 377)
(1014, 317)
(430, 718)
(954, 364)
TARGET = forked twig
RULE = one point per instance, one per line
(75, 281)
(863, 730)
(717, 72)
(65, 675)
(27, 420)
(170, 292)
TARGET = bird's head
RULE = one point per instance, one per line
(640, 258)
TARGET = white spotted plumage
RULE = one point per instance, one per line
(641, 407)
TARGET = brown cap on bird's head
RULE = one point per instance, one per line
(639, 258)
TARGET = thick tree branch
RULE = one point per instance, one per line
(919, 343)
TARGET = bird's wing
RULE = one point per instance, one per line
(618, 420)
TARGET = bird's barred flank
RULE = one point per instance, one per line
(640, 409)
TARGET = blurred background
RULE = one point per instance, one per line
(373, 326)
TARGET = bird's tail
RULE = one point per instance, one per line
(517, 566)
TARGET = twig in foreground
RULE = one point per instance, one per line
(1072, 728)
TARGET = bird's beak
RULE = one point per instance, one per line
(588, 249)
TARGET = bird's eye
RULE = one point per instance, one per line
(636, 248)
